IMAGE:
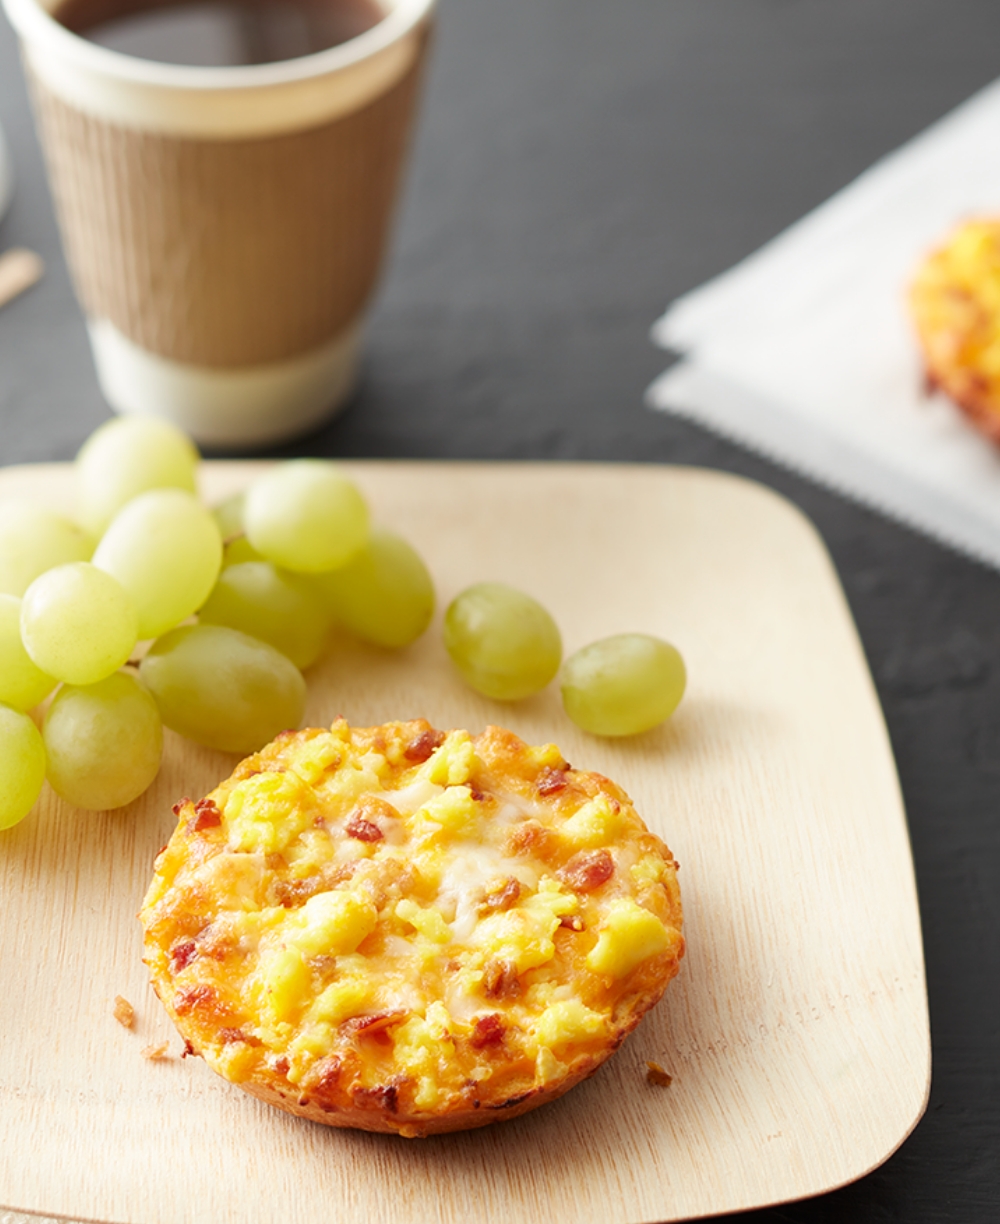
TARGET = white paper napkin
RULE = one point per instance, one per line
(804, 350)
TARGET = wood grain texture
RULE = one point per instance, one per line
(797, 1032)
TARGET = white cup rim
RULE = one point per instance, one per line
(39, 29)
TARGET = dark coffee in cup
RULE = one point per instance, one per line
(219, 33)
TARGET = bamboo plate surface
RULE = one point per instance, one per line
(797, 1032)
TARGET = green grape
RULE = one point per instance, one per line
(78, 623)
(306, 516)
(33, 540)
(503, 642)
(103, 743)
(165, 549)
(238, 551)
(384, 594)
(127, 456)
(222, 688)
(22, 766)
(283, 609)
(22, 684)
(622, 685)
(236, 547)
(228, 516)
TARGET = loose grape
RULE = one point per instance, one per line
(503, 642)
(165, 549)
(222, 688)
(306, 516)
(384, 594)
(103, 743)
(127, 456)
(22, 766)
(34, 539)
(78, 623)
(279, 607)
(622, 685)
(22, 684)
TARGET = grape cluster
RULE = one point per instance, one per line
(154, 611)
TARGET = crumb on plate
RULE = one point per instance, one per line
(124, 1012)
(655, 1074)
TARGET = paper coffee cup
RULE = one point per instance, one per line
(225, 227)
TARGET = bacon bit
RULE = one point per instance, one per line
(363, 830)
(124, 1012)
(551, 780)
(477, 796)
(363, 819)
(182, 954)
(529, 837)
(291, 893)
(156, 1053)
(504, 897)
(191, 998)
(207, 816)
(230, 1035)
(421, 747)
(385, 1096)
(500, 979)
(655, 1074)
(488, 1030)
(189, 1051)
(587, 870)
(281, 1065)
(571, 923)
(373, 1022)
(179, 806)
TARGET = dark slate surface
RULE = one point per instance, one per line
(581, 162)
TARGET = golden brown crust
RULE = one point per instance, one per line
(955, 304)
(402, 930)
(420, 1126)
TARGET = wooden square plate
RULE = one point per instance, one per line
(797, 1032)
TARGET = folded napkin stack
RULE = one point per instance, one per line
(805, 353)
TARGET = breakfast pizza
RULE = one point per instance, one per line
(409, 930)
(955, 303)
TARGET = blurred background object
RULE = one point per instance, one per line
(6, 176)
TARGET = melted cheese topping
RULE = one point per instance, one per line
(401, 916)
